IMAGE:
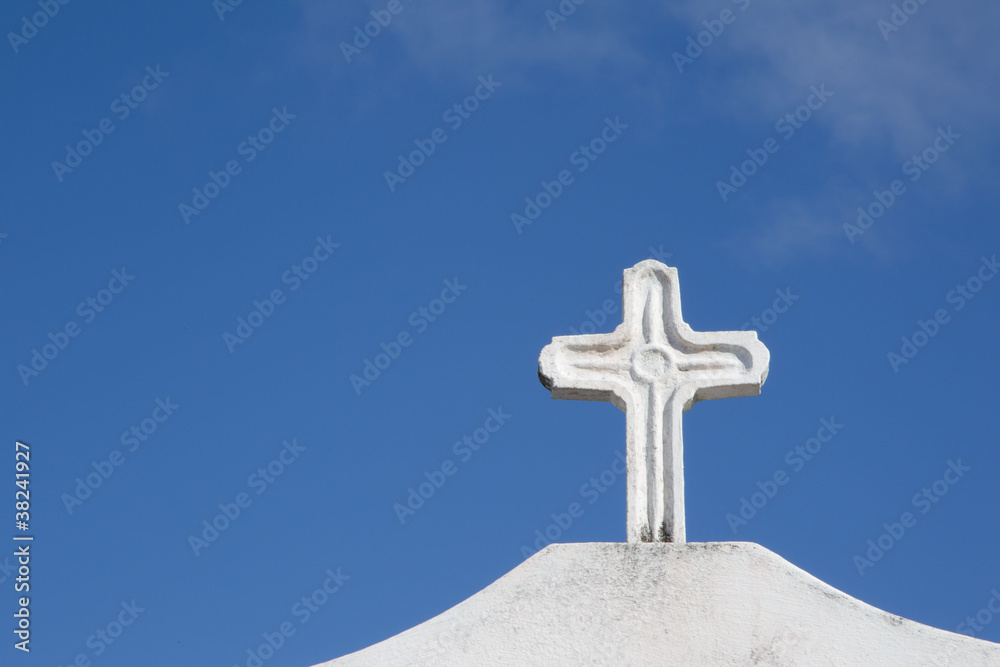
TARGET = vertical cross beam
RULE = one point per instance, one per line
(654, 368)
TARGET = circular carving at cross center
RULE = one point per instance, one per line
(651, 363)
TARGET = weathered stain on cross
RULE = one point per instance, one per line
(654, 368)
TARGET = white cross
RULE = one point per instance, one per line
(654, 368)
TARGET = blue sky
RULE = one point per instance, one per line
(201, 247)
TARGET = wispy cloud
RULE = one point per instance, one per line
(793, 230)
(445, 38)
(941, 67)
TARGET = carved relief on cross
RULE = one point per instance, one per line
(654, 368)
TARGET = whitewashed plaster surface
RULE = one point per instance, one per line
(722, 603)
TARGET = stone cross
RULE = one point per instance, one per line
(654, 368)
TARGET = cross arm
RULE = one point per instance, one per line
(721, 364)
(592, 367)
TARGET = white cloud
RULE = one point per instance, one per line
(442, 38)
(792, 231)
(941, 67)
